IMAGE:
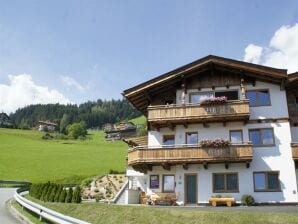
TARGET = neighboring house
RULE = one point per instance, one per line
(5, 121)
(120, 130)
(241, 104)
(47, 126)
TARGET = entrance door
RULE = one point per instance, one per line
(191, 187)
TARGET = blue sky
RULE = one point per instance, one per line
(95, 49)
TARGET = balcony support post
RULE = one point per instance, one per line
(185, 166)
(247, 165)
(227, 166)
(205, 165)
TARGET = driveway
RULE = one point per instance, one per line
(5, 216)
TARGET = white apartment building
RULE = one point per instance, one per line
(247, 113)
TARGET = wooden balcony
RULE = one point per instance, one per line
(144, 157)
(295, 151)
(234, 110)
(229, 111)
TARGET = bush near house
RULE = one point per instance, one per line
(247, 199)
(77, 130)
(51, 192)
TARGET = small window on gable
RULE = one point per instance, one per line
(231, 95)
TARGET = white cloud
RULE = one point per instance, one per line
(22, 91)
(71, 82)
(253, 53)
(282, 51)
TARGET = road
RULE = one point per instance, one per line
(5, 216)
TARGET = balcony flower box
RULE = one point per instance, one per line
(217, 143)
(214, 100)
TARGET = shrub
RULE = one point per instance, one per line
(58, 192)
(76, 198)
(76, 130)
(69, 196)
(47, 136)
(62, 196)
(247, 199)
(216, 196)
(111, 171)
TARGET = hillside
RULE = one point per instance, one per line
(25, 156)
(94, 113)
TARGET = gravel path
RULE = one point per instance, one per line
(5, 216)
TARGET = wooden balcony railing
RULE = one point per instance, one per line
(231, 110)
(295, 151)
(188, 154)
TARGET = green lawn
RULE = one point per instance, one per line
(139, 120)
(25, 156)
(106, 214)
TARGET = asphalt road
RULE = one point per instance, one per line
(5, 216)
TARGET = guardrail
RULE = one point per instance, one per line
(44, 212)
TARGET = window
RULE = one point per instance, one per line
(168, 183)
(266, 181)
(154, 181)
(258, 97)
(262, 137)
(225, 182)
(197, 98)
(236, 136)
(231, 95)
(168, 140)
(192, 138)
(296, 102)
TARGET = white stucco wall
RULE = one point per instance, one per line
(277, 158)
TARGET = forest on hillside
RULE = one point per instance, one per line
(94, 113)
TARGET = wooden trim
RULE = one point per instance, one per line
(257, 97)
(225, 183)
(163, 181)
(239, 130)
(269, 120)
(261, 135)
(185, 188)
(157, 179)
(191, 132)
(266, 181)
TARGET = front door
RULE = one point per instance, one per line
(191, 187)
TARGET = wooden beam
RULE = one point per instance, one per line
(185, 124)
(171, 126)
(247, 165)
(185, 166)
(205, 165)
(166, 166)
(227, 165)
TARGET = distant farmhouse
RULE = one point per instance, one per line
(47, 126)
(120, 130)
(5, 121)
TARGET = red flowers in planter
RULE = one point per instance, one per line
(216, 143)
(214, 100)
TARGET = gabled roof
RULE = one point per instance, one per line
(292, 80)
(244, 68)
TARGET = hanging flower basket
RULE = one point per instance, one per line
(214, 100)
(217, 143)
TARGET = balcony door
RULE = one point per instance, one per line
(191, 188)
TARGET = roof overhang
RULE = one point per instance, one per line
(138, 94)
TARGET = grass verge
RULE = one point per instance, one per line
(105, 214)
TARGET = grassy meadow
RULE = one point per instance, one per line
(26, 156)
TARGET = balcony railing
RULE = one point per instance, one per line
(187, 154)
(295, 151)
(231, 110)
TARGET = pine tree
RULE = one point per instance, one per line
(76, 198)
(58, 192)
(62, 196)
(69, 195)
